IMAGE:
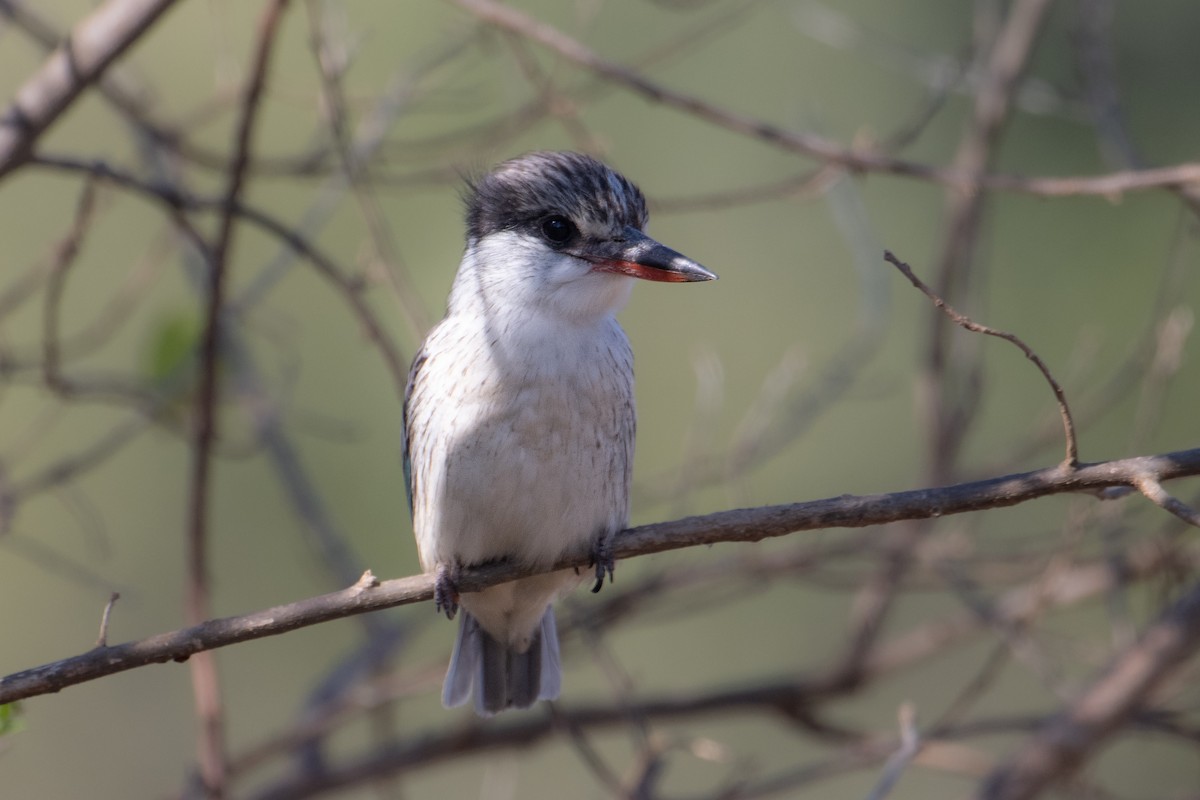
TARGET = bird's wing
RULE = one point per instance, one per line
(414, 375)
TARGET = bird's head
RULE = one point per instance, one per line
(561, 232)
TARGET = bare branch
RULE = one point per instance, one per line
(1072, 457)
(395, 272)
(1063, 744)
(64, 259)
(197, 602)
(173, 201)
(740, 525)
(791, 697)
(102, 639)
(987, 599)
(81, 59)
(1149, 486)
(951, 381)
(910, 746)
(858, 159)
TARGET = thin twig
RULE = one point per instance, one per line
(175, 201)
(64, 258)
(205, 683)
(73, 465)
(1061, 746)
(910, 746)
(387, 253)
(1072, 457)
(951, 382)
(858, 159)
(1149, 486)
(102, 639)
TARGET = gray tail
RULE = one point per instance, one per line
(499, 677)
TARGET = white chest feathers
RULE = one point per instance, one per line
(520, 445)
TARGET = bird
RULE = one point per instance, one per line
(519, 419)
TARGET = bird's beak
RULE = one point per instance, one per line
(639, 256)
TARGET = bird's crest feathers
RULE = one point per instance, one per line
(526, 189)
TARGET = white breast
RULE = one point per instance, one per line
(520, 441)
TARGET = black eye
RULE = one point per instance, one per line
(558, 229)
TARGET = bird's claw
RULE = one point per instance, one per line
(603, 561)
(445, 590)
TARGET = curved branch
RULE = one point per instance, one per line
(1064, 410)
(739, 525)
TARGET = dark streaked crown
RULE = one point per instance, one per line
(533, 186)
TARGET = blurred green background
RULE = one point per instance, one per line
(1078, 278)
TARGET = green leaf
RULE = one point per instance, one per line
(10, 718)
(172, 346)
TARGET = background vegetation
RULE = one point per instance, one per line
(784, 144)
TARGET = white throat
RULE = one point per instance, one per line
(512, 277)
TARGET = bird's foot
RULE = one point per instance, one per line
(445, 589)
(602, 560)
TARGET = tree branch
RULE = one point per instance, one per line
(1064, 410)
(92, 45)
(855, 158)
(791, 697)
(206, 689)
(1069, 738)
(739, 525)
(174, 200)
